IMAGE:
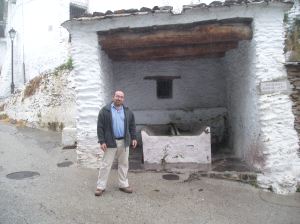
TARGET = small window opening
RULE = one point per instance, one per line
(164, 88)
(164, 85)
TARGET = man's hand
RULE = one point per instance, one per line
(134, 144)
(103, 147)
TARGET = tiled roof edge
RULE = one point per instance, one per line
(168, 9)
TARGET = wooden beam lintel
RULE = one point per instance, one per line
(170, 58)
(159, 77)
(170, 52)
(198, 35)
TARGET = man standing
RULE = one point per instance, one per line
(116, 131)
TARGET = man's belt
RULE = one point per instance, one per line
(119, 138)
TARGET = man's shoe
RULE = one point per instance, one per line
(99, 192)
(126, 189)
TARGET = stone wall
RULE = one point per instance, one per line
(48, 101)
(293, 70)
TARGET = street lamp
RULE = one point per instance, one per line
(12, 34)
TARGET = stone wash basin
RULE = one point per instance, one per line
(176, 144)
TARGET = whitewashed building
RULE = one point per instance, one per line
(220, 65)
(224, 63)
(40, 44)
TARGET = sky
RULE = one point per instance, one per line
(103, 6)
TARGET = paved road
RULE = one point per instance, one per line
(65, 194)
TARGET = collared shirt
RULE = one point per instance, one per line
(118, 119)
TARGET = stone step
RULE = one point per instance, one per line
(245, 177)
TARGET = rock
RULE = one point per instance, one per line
(155, 8)
(121, 11)
(166, 8)
(109, 12)
(87, 15)
(215, 4)
(145, 9)
(98, 14)
(131, 10)
(12, 121)
(202, 5)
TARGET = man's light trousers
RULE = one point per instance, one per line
(122, 154)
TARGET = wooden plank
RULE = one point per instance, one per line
(155, 77)
(174, 57)
(155, 53)
(202, 34)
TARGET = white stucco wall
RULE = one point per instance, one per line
(2, 50)
(242, 104)
(262, 125)
(93, 70)
(278, 136)
(201, 84)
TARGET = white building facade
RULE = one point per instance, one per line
(40, 44)
(249, 83)
(243, 95)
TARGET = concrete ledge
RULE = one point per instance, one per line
(176, 167)
(160, 149)
(68, 136)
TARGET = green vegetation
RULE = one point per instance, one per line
(293, 42)
(55, 126)
(66, 66)
(3, 116)
(286, 16)
(253, 183)
(292, 45)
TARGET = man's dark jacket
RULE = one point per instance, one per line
(105, 127)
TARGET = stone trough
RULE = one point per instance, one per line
(176, 144)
